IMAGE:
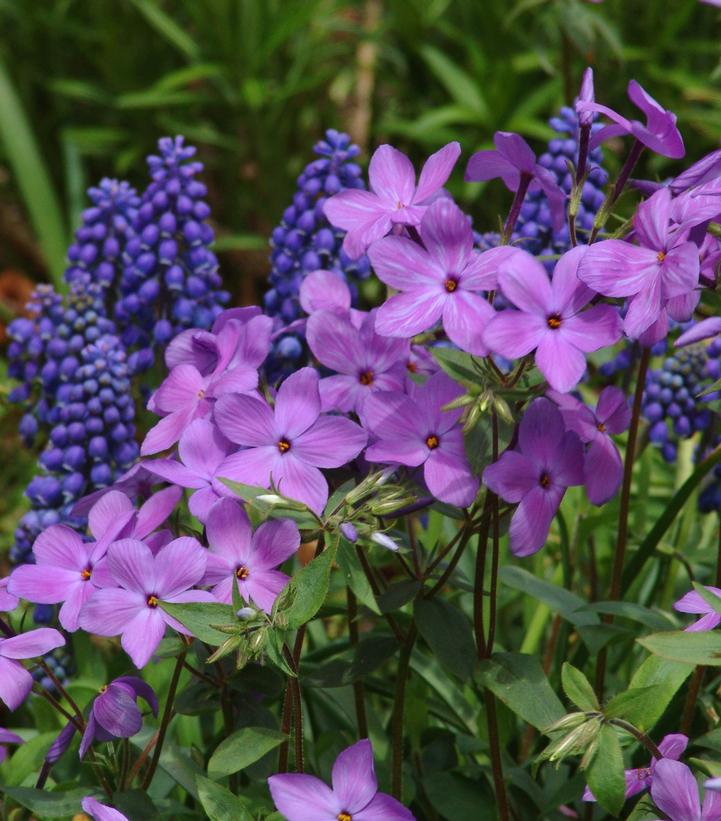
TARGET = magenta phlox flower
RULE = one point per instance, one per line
(115, 712)
(15, 681)
(287, 444)
(675, 792)
(364, 361)
(515, 163)
(246, 558)
(132, 609)
(547, 461)
(189, 391)
(394, 199)
(659, 275)
(602, 465)
(694, 603)
(8, 602)
(659, 132)
(442, 280)
(640, 779)
(7, 737)
(548, 317)
(414, 430)
(353, 795)
(63, 572)
(101, 812)
(203, 452)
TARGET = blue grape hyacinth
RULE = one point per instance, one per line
(170, 278)
(304, 242)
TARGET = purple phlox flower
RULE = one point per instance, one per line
(515, 163)
(640, 778)
(188, 393)
(694, 603)
(585, 95)
(393, 198)
(203, 452)
(442, 280)
(549, 318)
(63, 572)
(602, 465)
(114, 713)
(414, 430)
(548, 460)
(325, 290)
(144, 581)
(421, 362)
(240, 556)
(659, 133)
(716, 3)
(713, 783)
(6, 737)
(101, 812)
(354, 794)
(136, 482)
(675, 792)
(705, 329)
(287, 444)
(15, 681)
(707, 169)
(8, 602)
(660, 274)
(710, 256)
(364, 360)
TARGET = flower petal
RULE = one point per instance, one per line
(31, 644)
(117, 712)
(674, 790)
(42, 584)
(352, 209)
(513, 334)
(109, 610)
(330, 443)
(229, 532)
(391, 176)
(384, 808)
(297, 404)
(449, 478)
(246, 420)
(436, 171)
(614, 267)
(203, 447)
(274, 542)
(301, 797)
(560, 362)
(299, 480)
(142, 635)
(60, 546)
(15, 683)
(569, 293)
(532, 520)
(447, 234)
(353, 777)
(511, 477)
(598, 327)
(603, 470)
(613, 410)
(541, 432)
(465, 318)
(178, 566)
(525, 283)
(410, 313)
(335, 342)
(405, 265)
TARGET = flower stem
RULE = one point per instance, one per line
(512, 217)
(495, 751)
(639, 736)
(398, 710)
(165, 720)
(623, 176)
(622, 537)
(358, 688)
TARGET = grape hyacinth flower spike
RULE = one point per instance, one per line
(639, 779)
(602, 465)
(394, 197)
(353, 796)
(548, 317)
(445, 279)
(414, 430)
(547, 461)
(15, 681)
(288, 444)
(675, 792)
(249, 559)
(515, 163)
(132, 609)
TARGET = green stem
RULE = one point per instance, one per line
(399, 701)
(495, 751)
(358, 688)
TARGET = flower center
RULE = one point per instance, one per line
(242, 572)
(103, 689)
(544, 480)
(411, 366)
(153, 601)
(451, 284)
(432, 441)
(661, 256)
(201, 394)
(283, 445)
(86, 574)
(601, 427)
(344, 816)
(554, 322)
(365, 377)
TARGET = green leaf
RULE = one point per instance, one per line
(633, 611)
(462, 88)
(666, 677)
(689, 648)
(219, 802)
(577, 688)
(243, 748)
(168, 28)
(351, 665)
(458, 365)
(136, 805)
(627, 703)
(355, 578)
(519, 682)
(199, 616)
(32, 178)
(606, 772)
(308, 588)
(457, 796)
(560, 600)
(448, 633)
(48, 804)
(27, 758)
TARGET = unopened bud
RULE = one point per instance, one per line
(384, 541)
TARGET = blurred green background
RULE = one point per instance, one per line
(87, 87)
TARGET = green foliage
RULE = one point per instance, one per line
(605, 771)
(242, 749)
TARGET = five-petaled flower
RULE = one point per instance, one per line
(15, 681)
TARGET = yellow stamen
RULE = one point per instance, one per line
(242, 572)
(432, 441)
(284, 446)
